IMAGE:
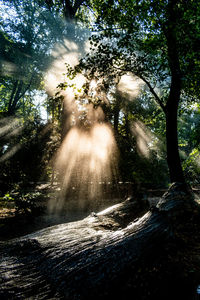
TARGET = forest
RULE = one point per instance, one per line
(100, 149)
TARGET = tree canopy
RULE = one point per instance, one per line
(154, 43)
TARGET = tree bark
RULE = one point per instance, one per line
(70, 9)
(171, 109)
(96, 258)
(16, 95)
(12, 96)
(116, 117)
(173, 157)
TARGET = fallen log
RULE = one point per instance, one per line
(94, 258)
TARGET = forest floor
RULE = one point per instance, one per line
(179, 263)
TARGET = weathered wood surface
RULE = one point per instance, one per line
(89, 259)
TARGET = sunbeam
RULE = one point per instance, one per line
(143, 138)
(86, 162)
(87, 159)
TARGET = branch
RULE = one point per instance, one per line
(49, 4)
(27, 87)
(77, 4)
(157, 98)
(68, 10)
(12, 95)
(107, 29)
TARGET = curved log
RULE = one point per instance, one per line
(90, 259)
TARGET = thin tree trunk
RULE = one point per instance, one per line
(15, 97)
(12, 96)
(116, 117)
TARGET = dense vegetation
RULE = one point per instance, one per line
(99, 100)
(153, 41)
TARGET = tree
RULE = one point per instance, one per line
(24, 53)
(67, 8)
(150, 45)
(26, 43)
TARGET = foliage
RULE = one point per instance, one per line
(7, 201)
(26, 41)
(22, 156)
(21, 201)
(138, 44)
(27, 202)
(192, 166)
(151, 45)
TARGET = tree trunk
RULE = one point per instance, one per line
(173, 157)
(171, 110)
(116, 117)
(70, 8)
(99, 257)
(12, 96)
(16, 95)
